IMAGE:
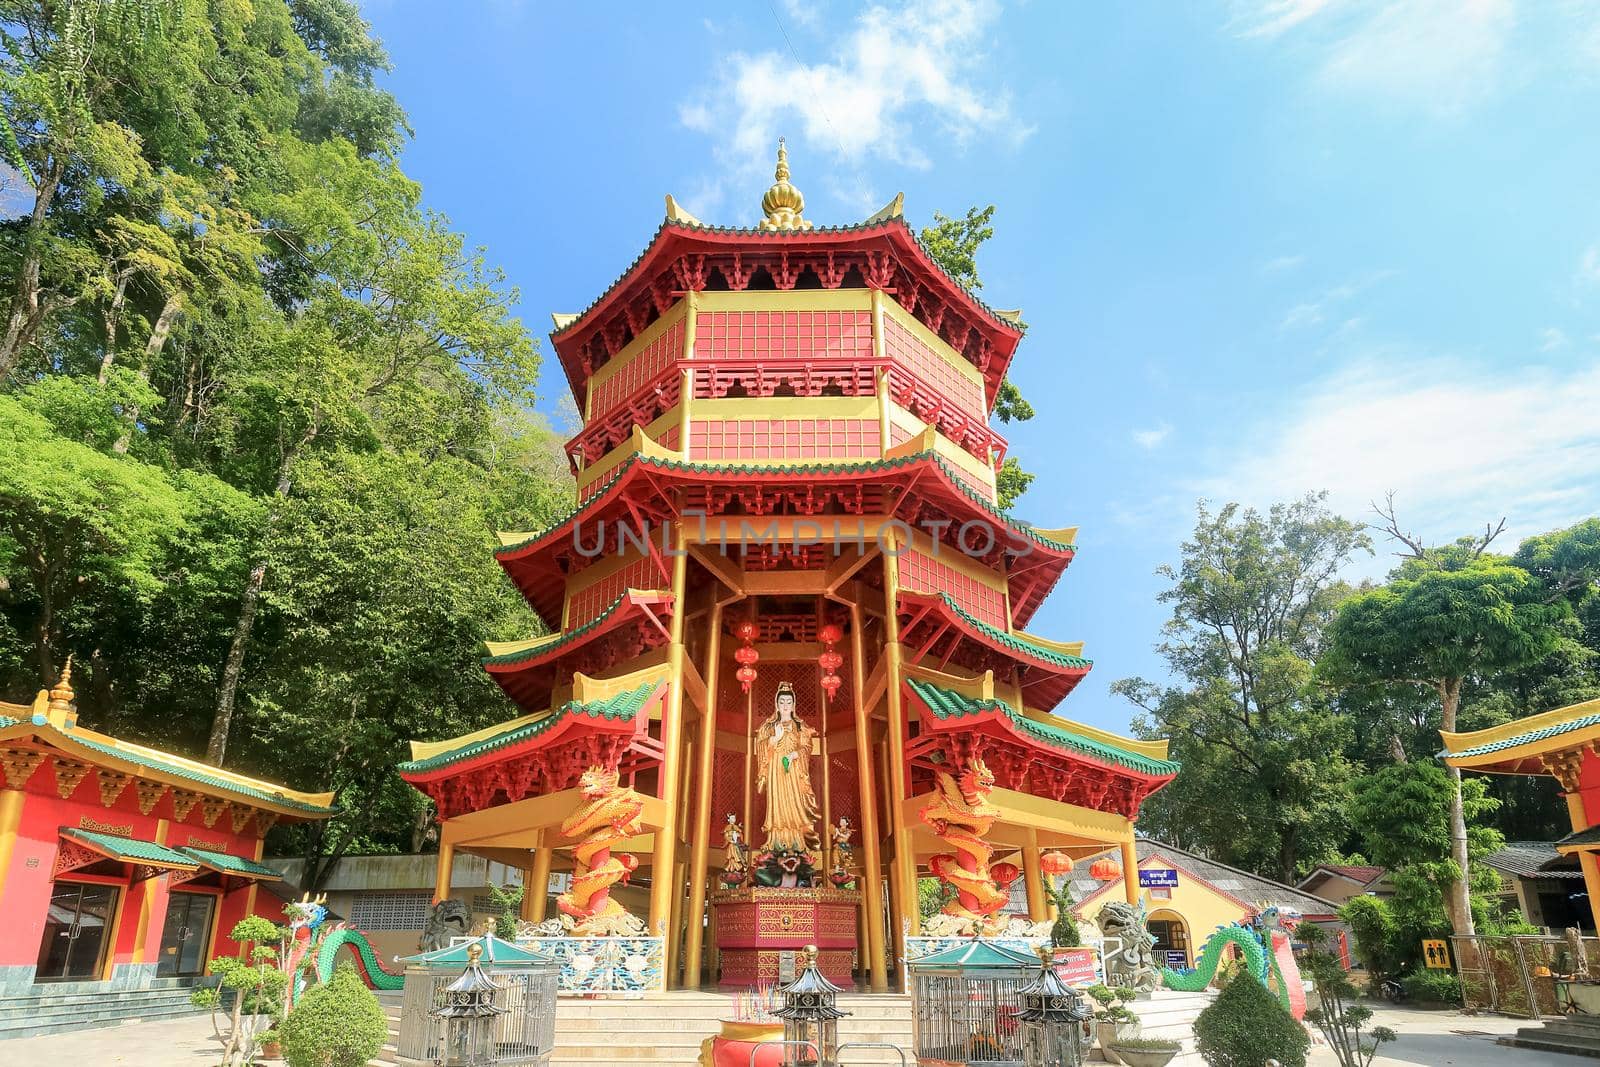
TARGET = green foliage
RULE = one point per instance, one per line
(1246, 1026)
(1064, 931)
(1011, 481)
(1402, 814)
(1149, 1044)
(227, 311)
(933, 895)
(508, 906)
(1377, 943)
(1335, 1011)
(1260, 743)
(954, 243)
(336, 1024)
(1433, 987)
(1111, 1003)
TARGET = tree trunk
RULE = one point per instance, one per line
(23, 318)
(1457, 896)
(158, 340)
(222, 718)
(108, 354)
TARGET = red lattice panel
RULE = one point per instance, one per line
(798, 439)
(591, 601)
(903, 347)
(669, 438)
(898, 435)
(640, 370)
(924, 573)
(729, 335)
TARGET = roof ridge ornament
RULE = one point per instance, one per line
(783, 203)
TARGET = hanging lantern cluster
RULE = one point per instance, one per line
(746, 654)
(1056, 863)
(830, 661)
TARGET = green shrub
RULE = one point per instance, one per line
(1246, 1026)
(1440, 987)
(337, 1024)
(1149, 1044)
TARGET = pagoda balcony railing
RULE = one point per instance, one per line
(807, 377)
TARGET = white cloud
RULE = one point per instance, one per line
(1439, 56)
(1282, 263)
(897, 67)
(1313, 311)
(1153, 437)
(1551, 338)
(1589, 266)
(1457, 443)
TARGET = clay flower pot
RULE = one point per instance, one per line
(1144, 1057)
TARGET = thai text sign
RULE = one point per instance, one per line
(1078, 966)
(1158, 877)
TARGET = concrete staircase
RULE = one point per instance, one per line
(63, 1007)
(667, 1028)
(1574, 1035)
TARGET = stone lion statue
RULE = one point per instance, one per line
(1132, 963)
(450, 918)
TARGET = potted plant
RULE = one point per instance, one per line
(270, 1047)
(1146, 1051)
(1114, 1021)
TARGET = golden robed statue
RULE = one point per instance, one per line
(784, 746)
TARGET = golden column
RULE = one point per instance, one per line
(905, 861)
(664, 857)
(536, 882)
(1588, 862)
(1033, 876)
(441, 872)
(871, 868)
(700, 828)
(1130, 869)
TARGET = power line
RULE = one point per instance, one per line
(838, 141)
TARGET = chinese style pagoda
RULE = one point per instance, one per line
(786, 615)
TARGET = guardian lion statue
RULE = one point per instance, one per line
(450, 919)
(1132, 963)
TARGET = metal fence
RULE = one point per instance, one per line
(524, 1035)
(1511, 975)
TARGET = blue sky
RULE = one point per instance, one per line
(1263, 247)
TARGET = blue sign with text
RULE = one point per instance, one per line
(1158, 878)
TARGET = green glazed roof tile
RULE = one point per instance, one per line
(975, 955)
(208, 780)
(1526, 739)
(221, 861)
(948, 704)
(495, 951)
(623, 706)
(1012, 641)
(562, 642)
(129, 848)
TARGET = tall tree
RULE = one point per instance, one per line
(1447, 615)
(1265, 777)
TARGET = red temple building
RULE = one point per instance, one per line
(786, 597)
(121, 864)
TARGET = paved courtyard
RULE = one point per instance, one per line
(1427, 1039)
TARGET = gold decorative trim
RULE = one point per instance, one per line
(241, 816)
(19, 764)
(183, 803)
(112, 785)
(69, 774)
(149, 794)
(97, 827)
(211, 809)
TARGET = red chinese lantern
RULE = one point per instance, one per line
(746, 654)
(830, 661)
(1004, 874)
(1054, 863)
(1105, 869)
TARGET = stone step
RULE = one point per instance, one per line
(1553, 1044)
(61, 1026)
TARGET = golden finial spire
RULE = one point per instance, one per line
(783, 203)
(62, 710)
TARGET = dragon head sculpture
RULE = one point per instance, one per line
(976, 781)
(598, 782)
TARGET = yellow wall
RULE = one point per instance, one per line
(1198, 903)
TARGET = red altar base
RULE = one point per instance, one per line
(755, 925)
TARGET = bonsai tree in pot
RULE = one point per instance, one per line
(1114, 1021)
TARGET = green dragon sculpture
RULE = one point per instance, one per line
(1266, 953)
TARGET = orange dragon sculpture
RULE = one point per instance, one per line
(960, 815)
(609, 816)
